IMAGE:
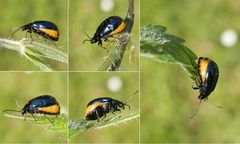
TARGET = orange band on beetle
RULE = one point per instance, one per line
(53, 109)
(203, 68)
(51, 33)
(120, 28)
(91, 107)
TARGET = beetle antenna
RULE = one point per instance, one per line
(86, 40)
(214, 105)
(89, 38)
(15, 32)
(130, 97)
(87, 35)
(17, 103)
(14, 110)
(196, 109)
(8, 110)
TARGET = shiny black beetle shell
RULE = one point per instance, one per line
(46, 29)
(209, 73)
(44, 104)
(99, 107)
(110, 26)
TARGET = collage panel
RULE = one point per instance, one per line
(34, 35)
(104, 107)
(190, 71)
(104, 35)
(33, 107)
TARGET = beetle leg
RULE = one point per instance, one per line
(116, 109)
(97, 116)
(100, 43)
(25, 118)
(36, 35)
(53, 44)
(197, 76)
(195, 73)
(194, 86)
(31, 37)
(26, 34)
(106, 39)
(104, 116)
(34, 117)
(48, 119)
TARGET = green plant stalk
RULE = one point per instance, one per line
(114, 59)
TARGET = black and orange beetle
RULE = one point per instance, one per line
(44, 104)
(109, 27)
(208, 74)
(99, 107)
(46, 29)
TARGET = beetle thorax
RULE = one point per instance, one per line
(94, 39)
(27, 27)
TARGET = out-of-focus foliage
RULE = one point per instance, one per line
(85, 17)
(16, 13)
(167, 97)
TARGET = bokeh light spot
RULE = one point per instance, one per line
(114, 84)
(229, 38)
(106, 5)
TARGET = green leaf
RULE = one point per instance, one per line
(56, 123)
(78, 126)
(165, 48)
(33, 50)
(51, 52)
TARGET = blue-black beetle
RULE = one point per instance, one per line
(109, 27)
(208, 74)
(99, 107)
(46, 29)
(44, 104)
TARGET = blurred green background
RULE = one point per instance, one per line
(87, 86)
(86, 16)
(24, 86)
(167, 99)
(16, 13)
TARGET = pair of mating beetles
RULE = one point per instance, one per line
(48, 105)
(48, 30)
